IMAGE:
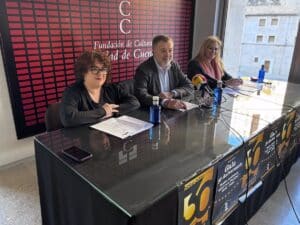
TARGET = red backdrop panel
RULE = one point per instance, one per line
(41, 40)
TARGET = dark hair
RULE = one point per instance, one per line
(88, 59)
(160, 38)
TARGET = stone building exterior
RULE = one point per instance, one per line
(267, 36)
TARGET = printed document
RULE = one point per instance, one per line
(122, 127)
(189, 106)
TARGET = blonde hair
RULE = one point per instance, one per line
(201, 56)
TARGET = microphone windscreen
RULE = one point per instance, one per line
(199, 79)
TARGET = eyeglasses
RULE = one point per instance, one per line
(213, 49)
(96, 70)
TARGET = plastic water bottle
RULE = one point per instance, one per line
(218, 93)
(155, 110)
(154, 136)
(261, 74)
(215, 111)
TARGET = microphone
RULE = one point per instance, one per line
(200, 83)
(203, 94)
(198, 80)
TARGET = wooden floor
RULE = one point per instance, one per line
(19, 201)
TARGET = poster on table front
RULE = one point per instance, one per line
(229, 183)
(195, 198)
(284, 136)
(268, 153)
(263, 148)
(253, 171)
(296, 130)
(268, 158)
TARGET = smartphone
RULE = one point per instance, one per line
(77, 154)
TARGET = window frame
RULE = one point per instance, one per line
(277, 19)
(262, 19)
(262, 38)
(269, 39)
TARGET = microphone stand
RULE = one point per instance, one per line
(204, 101)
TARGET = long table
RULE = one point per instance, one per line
(203, 166)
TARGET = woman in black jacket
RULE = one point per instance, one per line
(208, 62)
(90, 99)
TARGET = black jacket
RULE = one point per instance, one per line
(77, 107)
(146, 81)
(195, 68)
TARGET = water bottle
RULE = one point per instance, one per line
(215, 111)
(218, 93)
(261, 74)
(155, 110)
(154, 136)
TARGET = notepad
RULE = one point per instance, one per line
(122, 127)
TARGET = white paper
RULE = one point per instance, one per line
(189, 106)
(123, 126)
(245, 89)
(230, 91)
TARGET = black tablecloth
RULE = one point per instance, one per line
(138, 180)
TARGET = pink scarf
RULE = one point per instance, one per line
(212, 69)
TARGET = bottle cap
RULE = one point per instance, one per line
(155, 98)
(219, 83)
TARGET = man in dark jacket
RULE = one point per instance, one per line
(161, 76)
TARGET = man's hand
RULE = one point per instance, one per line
(110, 109)
(166, 95)
(174, 104)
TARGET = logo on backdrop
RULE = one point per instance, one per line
(125, 50)
(125, 12)
(44, 39)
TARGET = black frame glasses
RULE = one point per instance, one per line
(96, 70)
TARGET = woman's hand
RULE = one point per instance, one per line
(110, 109)
(234, 82)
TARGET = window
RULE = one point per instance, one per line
(271, 39)
(259, 38)
(257, 31)
(267, 65)
(274, 21)
(262, 22)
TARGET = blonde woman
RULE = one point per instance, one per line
(208, 62)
